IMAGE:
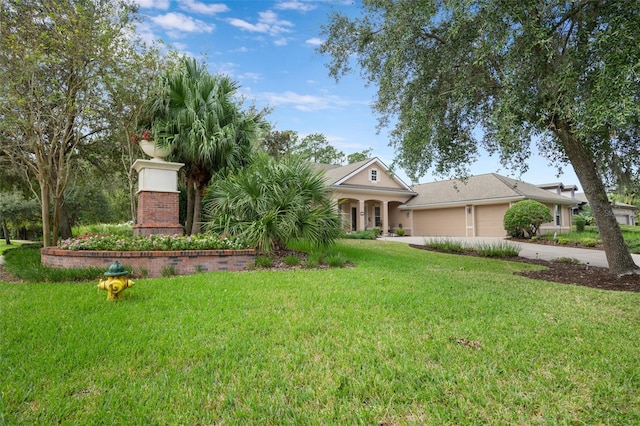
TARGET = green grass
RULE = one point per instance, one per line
(405, 337)
(4, 247)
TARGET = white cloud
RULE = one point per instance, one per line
(179, 23)
(314, 41)
(295, 5)
(153, 4)
(203, 8)
(268, 23)
(306, 103)
(250, 76)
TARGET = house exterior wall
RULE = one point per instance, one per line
(625, 216)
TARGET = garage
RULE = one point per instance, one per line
(489, 220)
(448, 222)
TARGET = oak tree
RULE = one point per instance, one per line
(457, 76)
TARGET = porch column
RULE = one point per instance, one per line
(385, 218)
(361, 214)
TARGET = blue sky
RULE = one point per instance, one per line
(268, 46)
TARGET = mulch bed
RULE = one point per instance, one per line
(570, 273)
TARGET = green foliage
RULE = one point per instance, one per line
(271, 203)
(291, 260)
(499, 249)
(360, 235)
(525, 217)
(115, 230)
(580, 222)
(589, 242)
(168, 271)
(264, 261)
(316, 148)
(153, 242)
(446, 245)
(400, 232)
(198, 116)
(336, 259)
(24, 263)
(563, 241)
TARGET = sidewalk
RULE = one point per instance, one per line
(528, 250)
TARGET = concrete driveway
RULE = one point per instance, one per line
(528, 250)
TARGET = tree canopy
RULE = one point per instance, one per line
(458, 76)
(56, 58)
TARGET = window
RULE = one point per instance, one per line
(558, 215)
(374, 175)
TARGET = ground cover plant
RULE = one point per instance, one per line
(405, 337)
(590, 238)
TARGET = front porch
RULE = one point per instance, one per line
(359, 214)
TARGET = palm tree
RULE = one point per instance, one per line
(197, 116)
(272, 202)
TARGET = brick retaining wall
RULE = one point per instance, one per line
(184, 262)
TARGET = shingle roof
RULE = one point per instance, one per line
(487, 188)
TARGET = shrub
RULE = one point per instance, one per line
(264, 262)
(501, 249)
(563, 241)
(525, 217)
(400, 232)
(153, 242)
(291, 260)
(580, 223)
(589, 242)
(314, 260)
(360, 235)
(336, 260)
(446, 245)
(571, 260)
(271, 203)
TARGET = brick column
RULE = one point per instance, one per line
(158, 210)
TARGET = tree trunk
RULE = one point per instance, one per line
(46, 223)
(197, 212)
(617, 252)
(190, 203)
(64, 226)
(5, 230)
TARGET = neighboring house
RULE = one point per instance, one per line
(625, 213)
(370, 196)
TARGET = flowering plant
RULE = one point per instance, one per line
(153, 242)
(144, 135)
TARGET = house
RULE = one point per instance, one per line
(625, 213)
(370, 196)
(476, 207)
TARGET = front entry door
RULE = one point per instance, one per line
(354, 218)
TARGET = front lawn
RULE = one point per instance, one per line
(405, 337)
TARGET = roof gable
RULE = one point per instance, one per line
(358, 174)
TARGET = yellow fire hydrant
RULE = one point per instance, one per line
(116, 282)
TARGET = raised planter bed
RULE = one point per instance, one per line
(152, 263)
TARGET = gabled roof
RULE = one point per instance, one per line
(338, 175)
(489, 188)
